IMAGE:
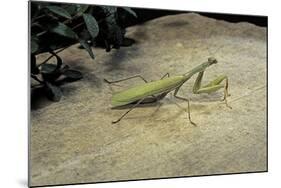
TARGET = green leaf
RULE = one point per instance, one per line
(48, 68)
(71, 9)
(50, 72)
(87, 47)
(129, 10)
(127, 42)
(63, 30)
(72, 75)
(81, 9)
(34, 45)
(109, 9)
(91, 24)
(64, 68)
(59, 11)
(53, 92)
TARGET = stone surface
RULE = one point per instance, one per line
(73, 141)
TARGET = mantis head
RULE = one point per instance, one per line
(201, 67)
(212, 60)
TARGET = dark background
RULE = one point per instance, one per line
(145, 14)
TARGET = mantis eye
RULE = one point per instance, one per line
(212, 60)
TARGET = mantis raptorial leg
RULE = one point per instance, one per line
(208, 88)
(211, 86)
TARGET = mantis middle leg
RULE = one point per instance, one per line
(187, 100)
(213, 86)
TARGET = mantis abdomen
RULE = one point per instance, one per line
(147, 89)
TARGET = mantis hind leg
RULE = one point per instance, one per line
(131, 77)
(124, 79)
(135, 105)
(167, 74)
(141, 101)
(212, 86)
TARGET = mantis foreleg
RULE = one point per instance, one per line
(212, 86)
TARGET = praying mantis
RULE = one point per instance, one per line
(154, 91)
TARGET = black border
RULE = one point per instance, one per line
(130, 180)
(163, 178)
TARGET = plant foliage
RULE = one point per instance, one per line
(55, 27)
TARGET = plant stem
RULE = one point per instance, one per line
(46, 60)
(38, 17)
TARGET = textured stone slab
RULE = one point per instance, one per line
(73, 141)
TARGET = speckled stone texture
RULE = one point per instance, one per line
(73, 141)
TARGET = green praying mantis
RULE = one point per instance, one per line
(154, 91)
